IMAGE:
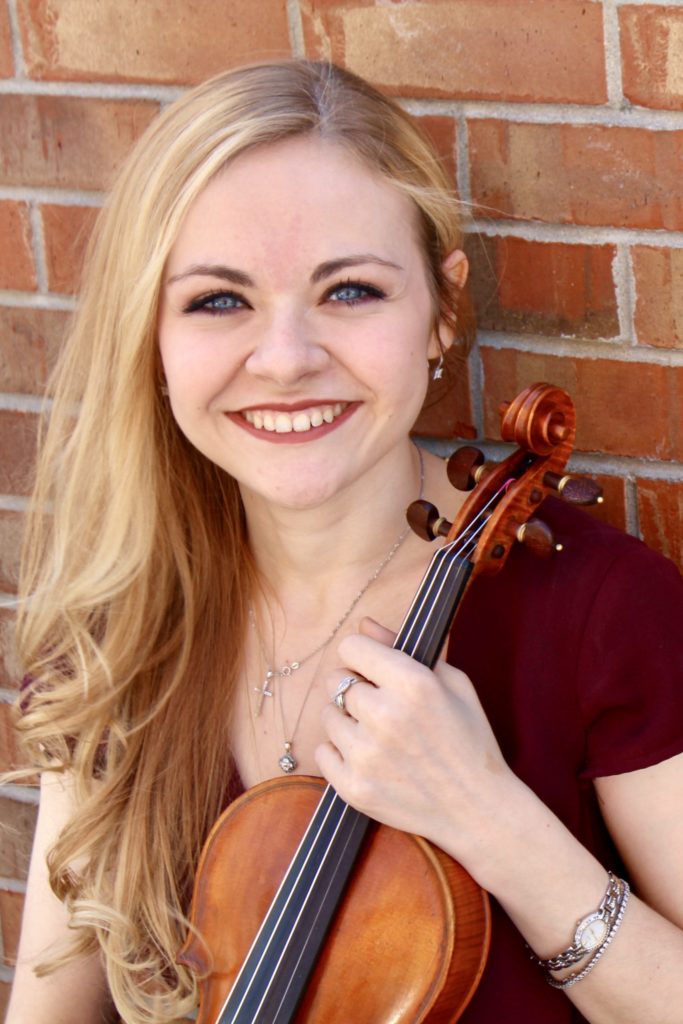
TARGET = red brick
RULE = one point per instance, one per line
(11, 909)
(29, 342)
(535, 51)
(154, 41)
(16, 836)
(447, 412)
(577, 174)
(10, 670)
(543, 288)
(659, 296)
(442, 132)
(5, 990)
(18, 431)
(67, 141)
(10, 756)
(11, 526)
(623, 408)
(17, 269)
(6, 57)
(652, 55)
(66, 230)
(660, 510)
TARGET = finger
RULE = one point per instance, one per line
(340, 729)
(329, 761)
(354, 697)
(372, 628)
(381, 665)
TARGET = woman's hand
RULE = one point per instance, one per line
(415, 749)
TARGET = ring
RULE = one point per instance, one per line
(344, 686)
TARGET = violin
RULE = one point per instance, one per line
(304, 909)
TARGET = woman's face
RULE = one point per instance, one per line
(295, 322)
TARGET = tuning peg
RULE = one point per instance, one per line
(578, 490)
(538, 537)
(425, 520)
(465, 467)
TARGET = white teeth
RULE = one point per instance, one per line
(283, 423)
(301, 422)
(298, 422)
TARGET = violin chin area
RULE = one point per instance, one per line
(280, 422)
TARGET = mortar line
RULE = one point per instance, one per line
(15, 35)
(574, 234)
(581, 348)
(296, 31)
(38, 247)
(612, 47)
(624, 288)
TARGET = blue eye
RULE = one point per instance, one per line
(216, 303)
(351, 293)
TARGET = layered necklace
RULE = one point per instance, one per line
(288, 762)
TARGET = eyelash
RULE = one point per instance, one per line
(202, 304)
(372, 292)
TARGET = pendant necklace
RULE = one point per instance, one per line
(288, 762)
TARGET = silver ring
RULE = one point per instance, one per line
(344, 686)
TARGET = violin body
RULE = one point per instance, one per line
(408, 943)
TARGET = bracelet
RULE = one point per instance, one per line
(590, 931)
(580, 975)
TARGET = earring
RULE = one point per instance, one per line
(163, 388)
(437, 372)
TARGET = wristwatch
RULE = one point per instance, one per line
(591, 931)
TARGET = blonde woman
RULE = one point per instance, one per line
(218, 530)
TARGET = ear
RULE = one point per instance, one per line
(456, 270)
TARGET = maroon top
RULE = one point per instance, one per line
(578, 662)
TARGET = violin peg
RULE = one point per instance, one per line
(465, 467)
(538, 537)
(425, 521)
(578, 490)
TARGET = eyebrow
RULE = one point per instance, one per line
(321, 272)
(214, 270)
(330, 267)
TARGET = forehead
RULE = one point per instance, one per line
(307, 193)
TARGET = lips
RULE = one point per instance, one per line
(298, 421)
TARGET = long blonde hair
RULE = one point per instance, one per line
(136, 566)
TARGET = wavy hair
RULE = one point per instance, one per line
(136, 570)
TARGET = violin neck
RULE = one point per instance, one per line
(273, 978)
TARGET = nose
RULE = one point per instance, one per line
(286, 352)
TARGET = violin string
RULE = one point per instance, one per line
(467, 540)
(299, 869)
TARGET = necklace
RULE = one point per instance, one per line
(288, 762)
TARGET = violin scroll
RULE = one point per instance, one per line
(500, 509)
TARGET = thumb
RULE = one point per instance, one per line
(369, 627)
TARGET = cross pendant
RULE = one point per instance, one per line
(263, 692)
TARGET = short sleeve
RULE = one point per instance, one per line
(630, 668)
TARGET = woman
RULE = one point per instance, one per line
(274, 270)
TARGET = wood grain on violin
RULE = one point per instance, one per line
(304, 910)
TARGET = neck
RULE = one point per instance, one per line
(345, 536)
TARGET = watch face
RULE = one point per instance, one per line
(591, 932)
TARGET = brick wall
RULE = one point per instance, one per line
(562, 121)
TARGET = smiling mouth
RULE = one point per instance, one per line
(279, 422)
